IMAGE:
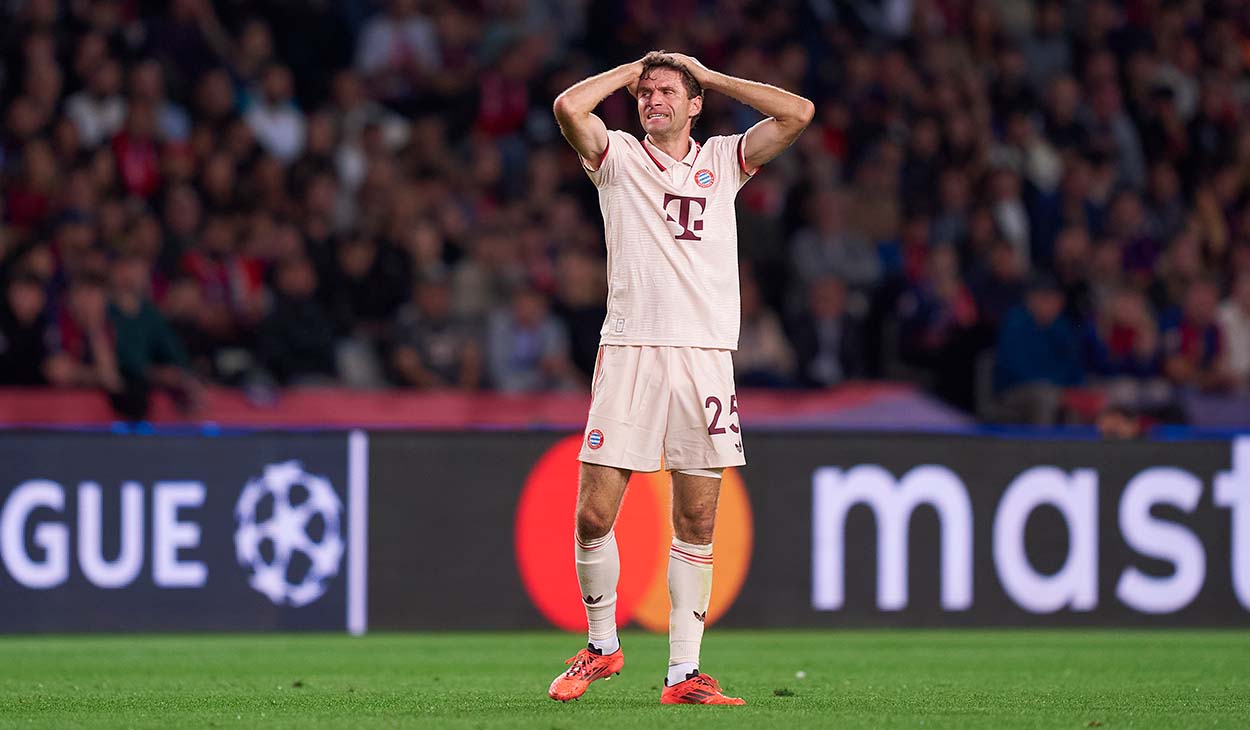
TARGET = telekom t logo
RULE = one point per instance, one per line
(685, 217)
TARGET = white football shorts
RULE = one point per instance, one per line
(674, 403)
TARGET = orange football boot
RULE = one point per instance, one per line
(585, 667)
(697, 689)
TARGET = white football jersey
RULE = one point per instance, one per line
(672, 239)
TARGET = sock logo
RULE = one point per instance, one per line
(592, 600)
(544, 516)
(700, 616)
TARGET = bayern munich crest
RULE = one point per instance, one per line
(704, 178)
(594, 439)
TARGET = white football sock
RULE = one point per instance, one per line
(679, 672)
(598, 569)
(689, 590)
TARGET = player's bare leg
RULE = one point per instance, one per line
(600, 490)
(695, 496)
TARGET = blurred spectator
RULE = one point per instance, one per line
(23, 331)
(1061, 116)
(1124, 341)
(149, 355)
(580, 301)
(830, 248)
(82, 342)
(1112, 131)
(99, 110)
(137, 152)
(1234, 319)
(367, 283)
(231, 300)
(432, 348)
(1038, 355)
(950, 224)
(527, 349)
(274, 118)
(361, 292)
(937, 327)
(296, 340)
(764, 358)
(1011, 215)
(1112, 151)
(999, 287)
(1048, 52)
(1193, 346)
(147, 88)
(826, 340)
(187, 38)
(397, 51)
(1124, 355)
(480, 281)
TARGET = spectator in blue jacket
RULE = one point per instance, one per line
(1039, 354)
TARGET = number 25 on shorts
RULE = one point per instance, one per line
(712, 401)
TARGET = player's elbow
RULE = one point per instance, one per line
(806, 112)
(563, 108)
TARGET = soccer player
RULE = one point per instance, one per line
(663, 384)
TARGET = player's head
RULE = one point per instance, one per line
(669, 98)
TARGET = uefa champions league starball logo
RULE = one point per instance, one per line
(288, 537)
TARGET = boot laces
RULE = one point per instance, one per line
(580, 665)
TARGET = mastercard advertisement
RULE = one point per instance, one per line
(644, 531)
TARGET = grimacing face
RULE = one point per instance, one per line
(663, 105)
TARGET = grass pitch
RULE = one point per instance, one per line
(870, 679)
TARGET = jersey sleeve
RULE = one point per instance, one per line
(730, 153)
(604, 172)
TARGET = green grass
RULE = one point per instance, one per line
(861, 679)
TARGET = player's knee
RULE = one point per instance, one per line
(694, 526)
(593, 523)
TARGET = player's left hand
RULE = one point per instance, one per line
(701, 73)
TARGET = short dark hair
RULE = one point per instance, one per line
(656, 60)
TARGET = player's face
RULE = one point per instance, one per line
(663, 105)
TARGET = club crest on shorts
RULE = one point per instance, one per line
(704, 178)
(594, 439)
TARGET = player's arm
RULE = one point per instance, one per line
(788, 114)
(574, 109)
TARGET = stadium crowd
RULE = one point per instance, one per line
(1035, 209)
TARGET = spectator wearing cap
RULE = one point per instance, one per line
(1038, 355)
